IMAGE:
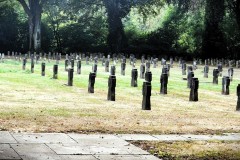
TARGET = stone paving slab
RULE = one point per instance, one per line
(170, 138)
(92, 149)
(42, 138)
(23, 149)
(7, 153)
(77, 157)
(6, 137)
(98, 140)
(138, 137)
(126, 157)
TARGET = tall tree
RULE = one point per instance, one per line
(213, 38)
(33, 9)
(234, 6)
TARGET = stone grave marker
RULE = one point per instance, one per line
(194, 85)
(189, 79)
(148, 65)
(215, 76)
(111, 84)
(24, 63)
(91, 82)
(55, 71)
(107, 65)
(134, 78)
(184, 67)
(142, 71)
(238, 95)
(146, 91)
(32, 64)
(164, 82)
(43, 69)
(70, 77)
(230, 73)
(220, 69)
(206, 70)
(225, 85)
(79, 65)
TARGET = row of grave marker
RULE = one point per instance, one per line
(193, 82)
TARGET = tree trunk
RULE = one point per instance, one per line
(237, 11)
(213, 38)
(116, 36)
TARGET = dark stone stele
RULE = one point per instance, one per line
(215, 76)
(194, 90)
(184, 67)
(70, 77)
(32, 65)
(107, 66)
(43, 69)
(79, 65)
(164, 82)
(134, 78)
(94, 68)
(24, 63)
(230, 73)
(220, 69)
(206, 70)
(66, 64)
(146, 92)
(189, 79)
(238, 94)
(72, 64)
(142, 71)
(225, 85)
(91, 82)
(123, 67)
(111, 84)
(189, 69)
(55, 71)
(148, 65)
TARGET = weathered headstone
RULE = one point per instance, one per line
(70, 77)
(32, 64)
(220, 69)
(148, 65)
(206, 70)
(134, 78)
(87, 60)
(146, 91)
(66, 64)
(79, 65)
(91, 82)
(111, 84)
(164, 82)
(194, 90)
(189, 69)
(123, 68)
(189, 79)
(24, 63)
(215, 76)
(55, 71)
(107, 66)
(230, 73)
(43, 69)
(184, 67)
(72, 64)
(238, 95)
(142, 71)
(171, 62)
(225, 85)
(94, 68)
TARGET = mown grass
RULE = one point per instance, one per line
(39, 103)
(192, 150)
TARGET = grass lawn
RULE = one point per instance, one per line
(32, 103)
(197, 150)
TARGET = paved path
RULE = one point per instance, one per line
(60, 146)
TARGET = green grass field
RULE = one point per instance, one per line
(32, 103)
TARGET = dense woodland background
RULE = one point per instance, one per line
(193, 28)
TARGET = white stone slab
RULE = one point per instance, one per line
(137, 137)
(126, 157)
(170, 138)
(25, 149)
(43, 138)
(7, 153)
(6, 137)
(77, 157)
(69, 149)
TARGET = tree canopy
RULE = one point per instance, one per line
(193, 28)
